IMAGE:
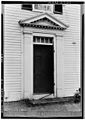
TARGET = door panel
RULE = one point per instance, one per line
(43, 69)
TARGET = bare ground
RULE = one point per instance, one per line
(24, 109)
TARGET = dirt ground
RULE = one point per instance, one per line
(23, 109)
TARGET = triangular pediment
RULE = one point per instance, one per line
(44, 21)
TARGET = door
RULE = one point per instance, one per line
(43, 69)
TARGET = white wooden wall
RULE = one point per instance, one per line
(72, 51)
(12, 53)
(68, 54)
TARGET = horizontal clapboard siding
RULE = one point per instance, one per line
(12, 53)
(72, 51)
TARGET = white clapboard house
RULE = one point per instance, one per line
(41, 50)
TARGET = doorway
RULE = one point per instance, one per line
(43, 65)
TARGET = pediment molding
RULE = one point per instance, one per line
(44, 21)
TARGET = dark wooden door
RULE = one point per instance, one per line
(43, 69)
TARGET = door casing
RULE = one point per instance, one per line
(55, 70)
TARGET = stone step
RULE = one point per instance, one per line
(52, 100)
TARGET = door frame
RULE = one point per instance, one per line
(54, 45)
